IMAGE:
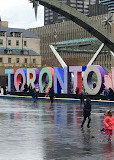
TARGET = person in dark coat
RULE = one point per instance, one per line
(87, 113)
(34, 94)
(37, 93)
(4, 90)
(111, 94)
(20, 85)
(82, 98)
(30, 88)
(25, 87)
(77, 92)
(51, 94)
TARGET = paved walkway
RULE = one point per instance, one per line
(40, 131)
(73, 100)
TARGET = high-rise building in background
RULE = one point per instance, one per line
(97, 9)
(82, 6)
(109, 3)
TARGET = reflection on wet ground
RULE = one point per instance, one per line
(40, 131)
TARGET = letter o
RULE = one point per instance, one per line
(50, 72)
(87, 79)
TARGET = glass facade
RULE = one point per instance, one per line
(110, 4)
(82, 6)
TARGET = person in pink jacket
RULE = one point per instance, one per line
(109, 124)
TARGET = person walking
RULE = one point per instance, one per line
(108, 124)
(25, 87)
(77, 92)
(20, 85)
(30, 88)
(111, 94)
(87, 113)
(34, 95)
(4, 90)
(37, 93)
(51, 94)
(81, 98)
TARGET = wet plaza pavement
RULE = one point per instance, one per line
(40, 131)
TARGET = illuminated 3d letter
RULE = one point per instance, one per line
(77, 70)
(9, 72)
(109, 80)
(60, 79)
(17, 78)
(42, 78)
(87, 79)
(32, 77)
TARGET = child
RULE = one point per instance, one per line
(108, 124)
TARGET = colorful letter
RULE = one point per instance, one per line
(60, 79)
(42, 78)
(9, 72)
(32, 77)
(87, 79)
(77, 70)
(109, 80)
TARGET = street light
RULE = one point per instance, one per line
(55, 35)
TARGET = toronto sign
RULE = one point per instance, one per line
(61, 79)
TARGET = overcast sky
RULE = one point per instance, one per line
(20, 14)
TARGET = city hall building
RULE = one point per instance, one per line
(74, 44)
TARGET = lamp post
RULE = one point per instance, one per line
(55, 35)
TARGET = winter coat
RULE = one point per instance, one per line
(87, 110)
(109, 122)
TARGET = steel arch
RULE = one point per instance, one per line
(82, 20)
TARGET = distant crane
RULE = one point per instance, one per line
(35, 6)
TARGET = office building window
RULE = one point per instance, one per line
(9, 60)
(34, 60)
(9, 42)
(1, 59)
(25, 60)
(1, 41)
(17, 34)
(17, 60)
(25, 43)
(9, 51)
(2, 34)
(17, 42)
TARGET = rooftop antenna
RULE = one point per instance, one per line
(35, 6)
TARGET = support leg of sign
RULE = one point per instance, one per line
(63, 64)
(94, 56)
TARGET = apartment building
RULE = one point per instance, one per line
(18, 49)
